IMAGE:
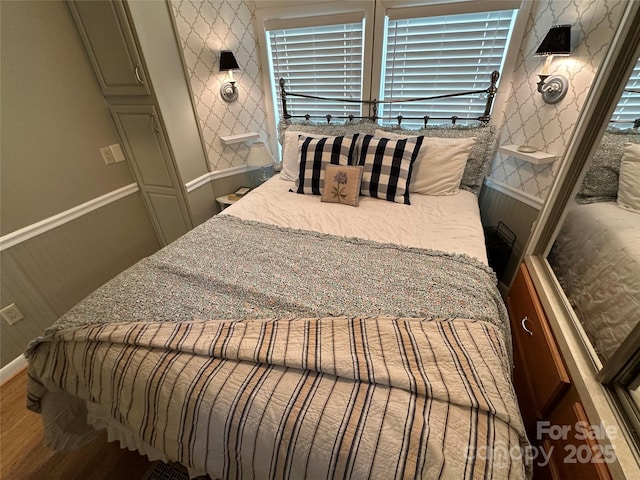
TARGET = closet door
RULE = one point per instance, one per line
(152, 165)
(111, 47)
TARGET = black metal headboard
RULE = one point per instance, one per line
(485, 117)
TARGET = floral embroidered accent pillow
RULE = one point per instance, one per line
(342, 184)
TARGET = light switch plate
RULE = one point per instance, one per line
(116, 151)
(107, 155)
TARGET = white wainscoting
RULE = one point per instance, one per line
(211, 176)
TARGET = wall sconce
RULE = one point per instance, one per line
(556, 42)
(228, 90)
(260, 156)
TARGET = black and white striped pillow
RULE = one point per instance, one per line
(315, 154)
(387, 166)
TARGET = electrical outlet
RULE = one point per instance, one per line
(11, 314)
(107, 155)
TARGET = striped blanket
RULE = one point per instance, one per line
(245, 350)
(360, 397)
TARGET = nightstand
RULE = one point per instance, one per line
(554, 416)
(224, 201)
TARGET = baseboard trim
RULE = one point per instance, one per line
(35, 229)
(525, 198)
(13, 368)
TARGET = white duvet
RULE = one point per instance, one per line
(596, 257)
(449, 223)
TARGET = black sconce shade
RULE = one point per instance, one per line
(228, 61)
(556, 42)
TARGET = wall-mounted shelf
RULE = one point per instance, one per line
(537, 158)
(241, 137)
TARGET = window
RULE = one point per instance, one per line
(322, 61)
(440, 55)
(421, 52)
(627, 110)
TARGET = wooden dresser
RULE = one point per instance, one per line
(554, 417)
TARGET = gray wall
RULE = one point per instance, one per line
(54, 118)
(53, 122)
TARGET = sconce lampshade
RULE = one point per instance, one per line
(228, 61)
(556, 42)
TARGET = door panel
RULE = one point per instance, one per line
(151, 162)
(109, 42)
(166, 208)
(146, 145)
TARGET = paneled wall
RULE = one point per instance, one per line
(48, 274)
(54, 120)
(519, 216)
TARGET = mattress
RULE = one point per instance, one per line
(596, 258)
(449, 223)
(274, 341)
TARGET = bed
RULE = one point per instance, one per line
(597, 260)
(596, 255)
(291, 337)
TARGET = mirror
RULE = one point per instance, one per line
(596, 253)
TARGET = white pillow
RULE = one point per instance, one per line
(440, 164)
(291, 154)
(629, 182)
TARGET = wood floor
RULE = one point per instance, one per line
(23, 454)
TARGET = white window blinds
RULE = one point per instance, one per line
(440, 55)
(322, 61)
(628, 109)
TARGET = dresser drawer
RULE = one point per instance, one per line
(524, 389)
(538, 350)
(571, 445)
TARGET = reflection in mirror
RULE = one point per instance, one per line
(635, 392)
(596, 255)
(633, 406)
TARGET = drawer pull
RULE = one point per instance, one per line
(524, 327)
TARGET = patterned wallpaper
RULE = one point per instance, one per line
(206, 27)
(549, 127)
